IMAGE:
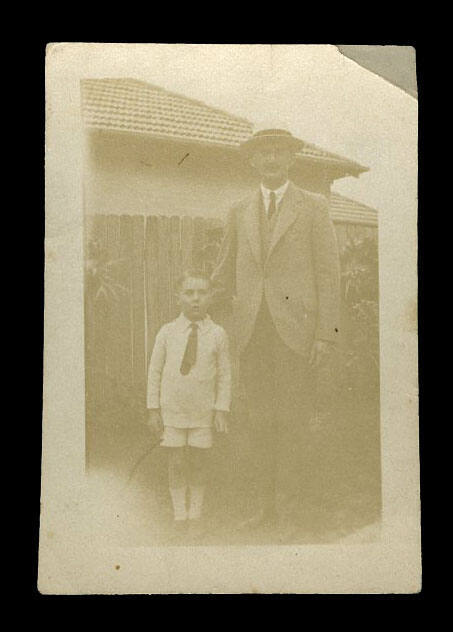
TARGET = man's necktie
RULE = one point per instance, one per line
(272, 205)
(190, 354)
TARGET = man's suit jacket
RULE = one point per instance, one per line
(299, 278)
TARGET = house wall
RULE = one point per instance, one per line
(134, 174)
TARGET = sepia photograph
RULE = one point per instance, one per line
(230, 235)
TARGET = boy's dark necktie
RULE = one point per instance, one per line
(190, 354)
(272, 205)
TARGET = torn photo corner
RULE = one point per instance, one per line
(230, 364)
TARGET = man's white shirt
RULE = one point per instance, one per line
(279, 193)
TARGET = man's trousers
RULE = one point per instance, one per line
(279, 387)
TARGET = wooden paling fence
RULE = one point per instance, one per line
(132, 264)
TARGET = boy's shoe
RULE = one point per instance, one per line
(196, 529)
(178, 530)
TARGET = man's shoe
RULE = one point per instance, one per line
(288, 532)
(262, 518)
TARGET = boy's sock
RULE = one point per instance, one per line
(178, 498)
(196, 501)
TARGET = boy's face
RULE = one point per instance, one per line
(194, 297)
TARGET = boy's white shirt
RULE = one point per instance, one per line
(188, 401)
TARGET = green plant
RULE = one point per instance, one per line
(207, 256)
(360, 296)
(99, 275)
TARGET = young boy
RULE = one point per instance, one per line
(189, 393)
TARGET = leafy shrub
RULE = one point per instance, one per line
(360, 297)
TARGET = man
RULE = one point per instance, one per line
(279, 265)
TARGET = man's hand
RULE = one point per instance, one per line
(319, 352)
(155, 421)
(221, 421)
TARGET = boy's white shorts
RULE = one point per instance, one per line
(179, 437)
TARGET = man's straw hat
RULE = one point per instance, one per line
(267, 137)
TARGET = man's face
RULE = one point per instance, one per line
(273, 162)
(194, 297)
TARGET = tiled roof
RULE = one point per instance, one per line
(136, 106)
(345, 210)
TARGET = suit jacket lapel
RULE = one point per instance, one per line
(285, 218)
(252, 223)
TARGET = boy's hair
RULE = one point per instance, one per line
(193, 273)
